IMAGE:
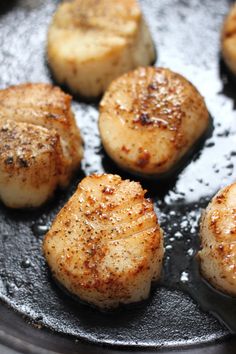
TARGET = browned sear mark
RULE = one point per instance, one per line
(143, 158)
(108, 190)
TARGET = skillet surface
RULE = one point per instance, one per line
(186, 34)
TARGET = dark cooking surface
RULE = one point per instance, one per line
(186, 33)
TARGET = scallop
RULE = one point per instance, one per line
(91, 42)
(40, 144)
(149, 119)
(218, 240)
(228, 40)
(105, 246)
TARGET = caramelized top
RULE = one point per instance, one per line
(36, 100)
(116, 17)
(88, 241)
(149, 118)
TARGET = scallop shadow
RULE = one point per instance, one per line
(228, 82)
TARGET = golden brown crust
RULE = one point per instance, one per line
(218, 236)
(90, 42)
(21, 146)
(104, 241)
(21, 143)
(28, 109)
(39, 104)
(38, 98)
(149, 118)
(98, 15)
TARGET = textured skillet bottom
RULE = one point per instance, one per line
(186, 35)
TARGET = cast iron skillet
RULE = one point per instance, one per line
(36, 316)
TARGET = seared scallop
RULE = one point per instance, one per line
(30, 162)
(228, 40)
(105, 246)
(218, 240)
(149, 119)
(91, 42)
(40, 143)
